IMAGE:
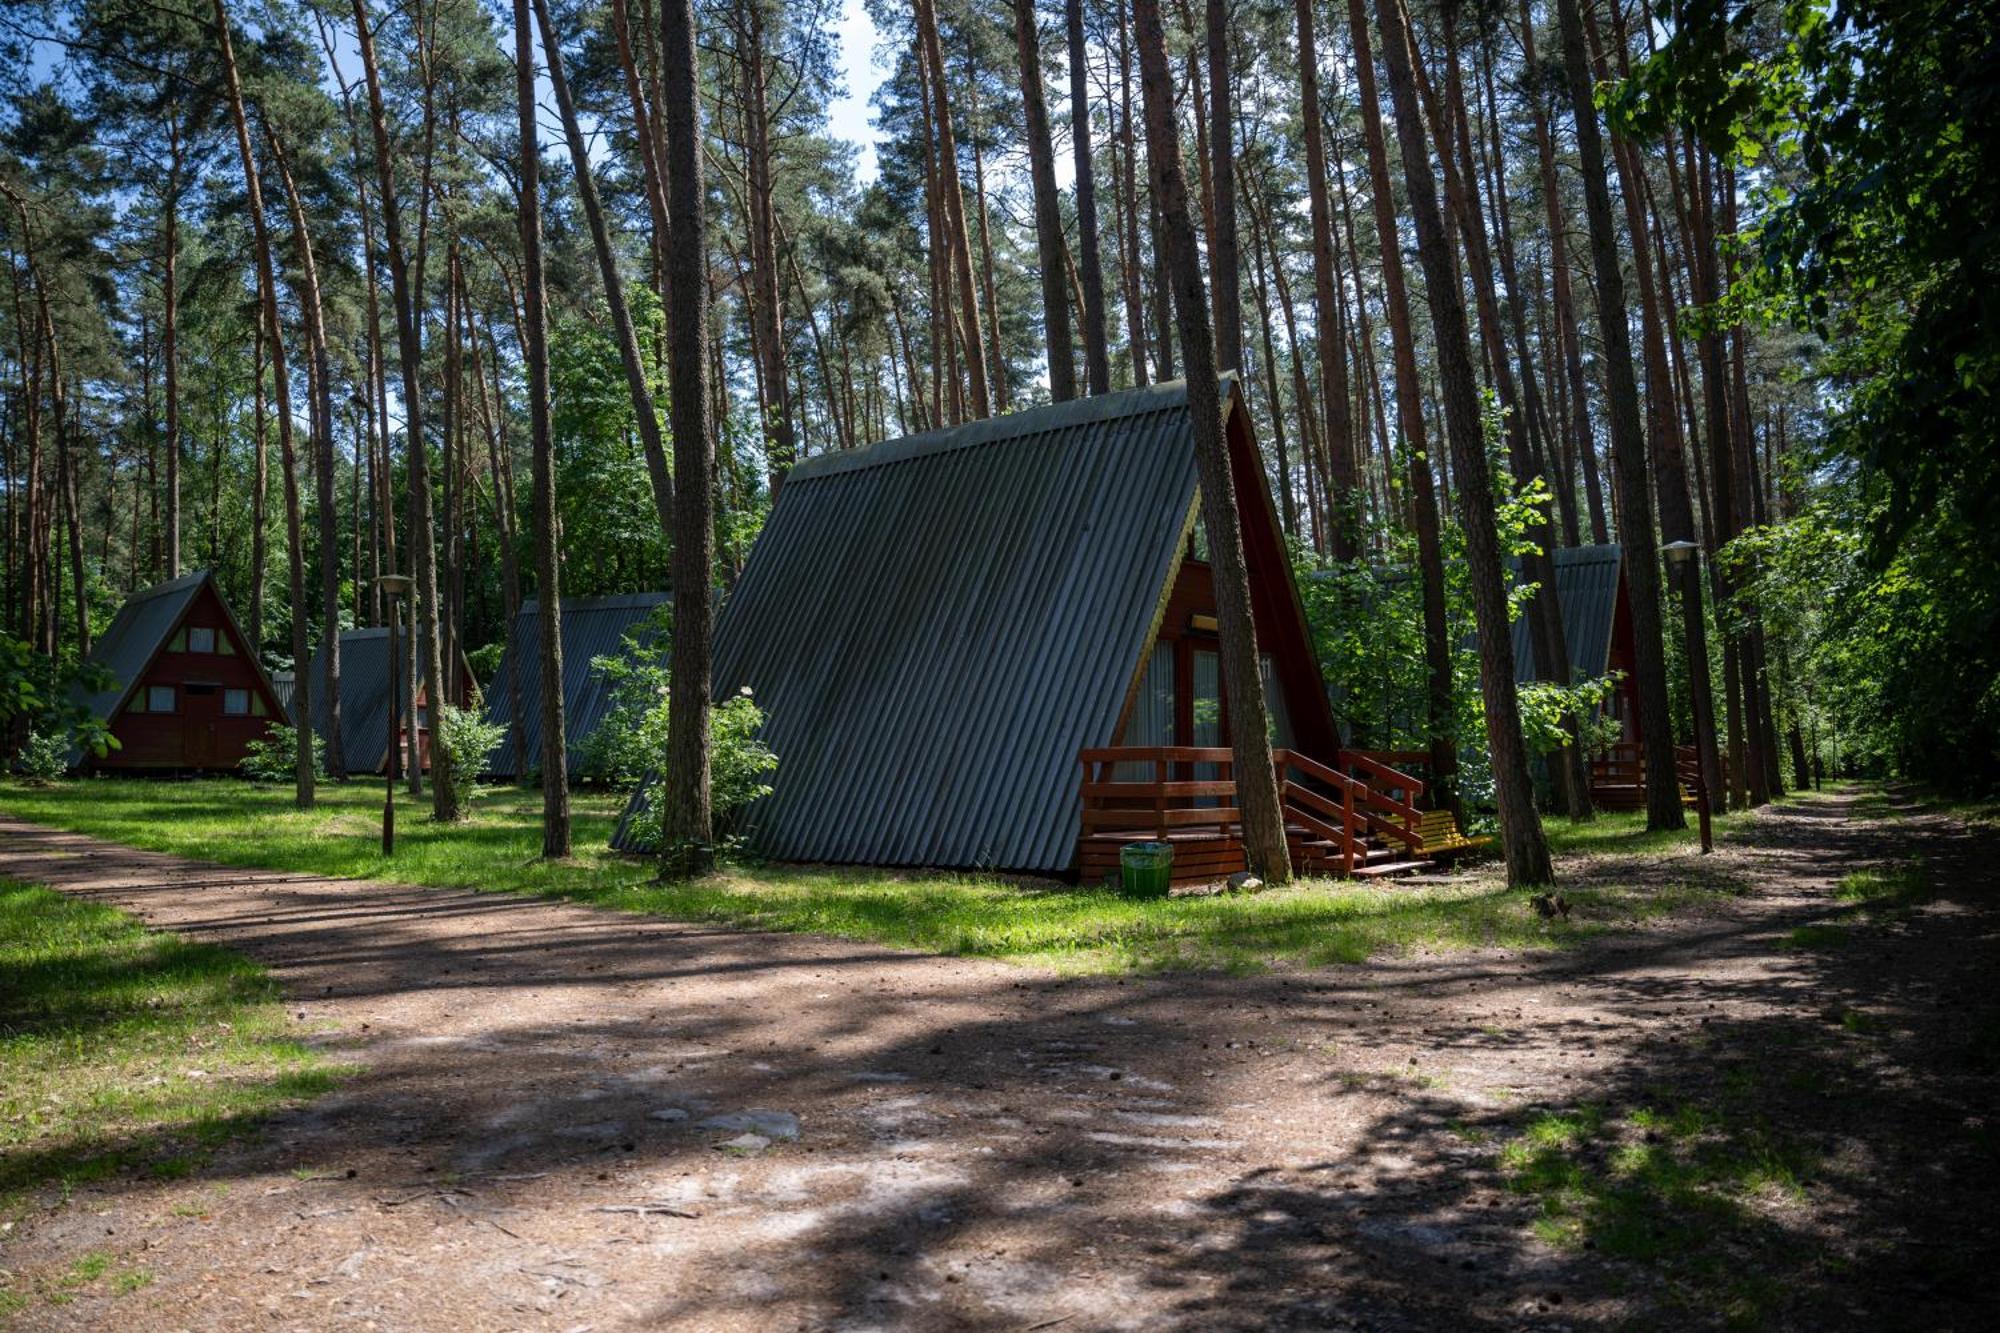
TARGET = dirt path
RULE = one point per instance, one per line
(548, 1129)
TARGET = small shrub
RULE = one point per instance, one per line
(275, 758)
(467, 739)
(740, 766)
(44, 757)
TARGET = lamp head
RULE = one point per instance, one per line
(396, 585)
(1679, 553)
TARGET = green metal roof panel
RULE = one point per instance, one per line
(364, 695)
(135, 635)
(1587, 582)
(592, 627)
(934, 627)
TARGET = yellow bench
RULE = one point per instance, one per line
(1440, 836)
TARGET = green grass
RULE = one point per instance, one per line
(1688, 1191)
(1623, 832)
(124, 1049)
(1074, 928)
(1892, 891)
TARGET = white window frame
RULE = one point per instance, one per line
(173, 699)
(193, 630)
(230, 696)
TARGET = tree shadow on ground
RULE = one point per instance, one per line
(1674, 1127)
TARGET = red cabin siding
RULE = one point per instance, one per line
(198, 734)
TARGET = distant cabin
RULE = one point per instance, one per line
(1597, 626)
(973, 645)
(592, 627)
(187, 692)
(364, 699)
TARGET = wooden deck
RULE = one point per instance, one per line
(1618, 778)
(1359, 818)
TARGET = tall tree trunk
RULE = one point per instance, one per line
(1048, 216)
(260, 485)
(170, 340)
(1628, 442)
(535, 351)
(321, 388)
(267, 289)
(1128, 197)
(1242, 684)
(1439, 705)
(1669, 466)
(444, 796)
(1090, 263)
(1526, 849)
(1224, 261)
(1559, 276)
(687, 831)
(1551, 648)
(614, 283)
(1343, 501)
(952, 196)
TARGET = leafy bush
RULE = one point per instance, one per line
(44, 757)
(1548, 707)
(464, 736)
(275, 758)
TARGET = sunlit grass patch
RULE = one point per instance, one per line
(123, 1048)
(1681, 1189)
(1077, 928)
(1816, 936)
(1887, 891)
(1624, 832)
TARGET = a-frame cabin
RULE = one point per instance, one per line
(994, 647)
(364, 699)
(187, 692)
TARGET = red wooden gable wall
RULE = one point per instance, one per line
(198, 733)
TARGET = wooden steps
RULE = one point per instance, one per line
(1390, 869)
(1357, 815)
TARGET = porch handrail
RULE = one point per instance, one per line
(1318, 797)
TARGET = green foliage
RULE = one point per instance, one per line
(274, 757)
(632, 739)
(1549, 708)
(467, 739)
(1367, 623)
(44, 756)
(1876, 233)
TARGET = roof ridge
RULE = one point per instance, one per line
(1163, 396)
(607, 602)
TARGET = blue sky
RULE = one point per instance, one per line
(850, 117)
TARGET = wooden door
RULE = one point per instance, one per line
(201, 708)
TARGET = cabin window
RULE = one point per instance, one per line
(257, 705)
(159, 698)
(200, 640)
(225, 647)
(236, 703)
(179, 643)
(1152, 720)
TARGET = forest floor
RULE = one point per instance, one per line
(1772, 1105)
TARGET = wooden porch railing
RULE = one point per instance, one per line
(1340, 807)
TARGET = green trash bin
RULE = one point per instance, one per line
(1146, 869)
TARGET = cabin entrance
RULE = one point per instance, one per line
(202, 705)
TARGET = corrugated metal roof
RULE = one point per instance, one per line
(284, 684)
(364, 696)
(135, 635)
(592, 627)
(934, 627)
(1587, 582)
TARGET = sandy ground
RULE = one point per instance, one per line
(571, 1119)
